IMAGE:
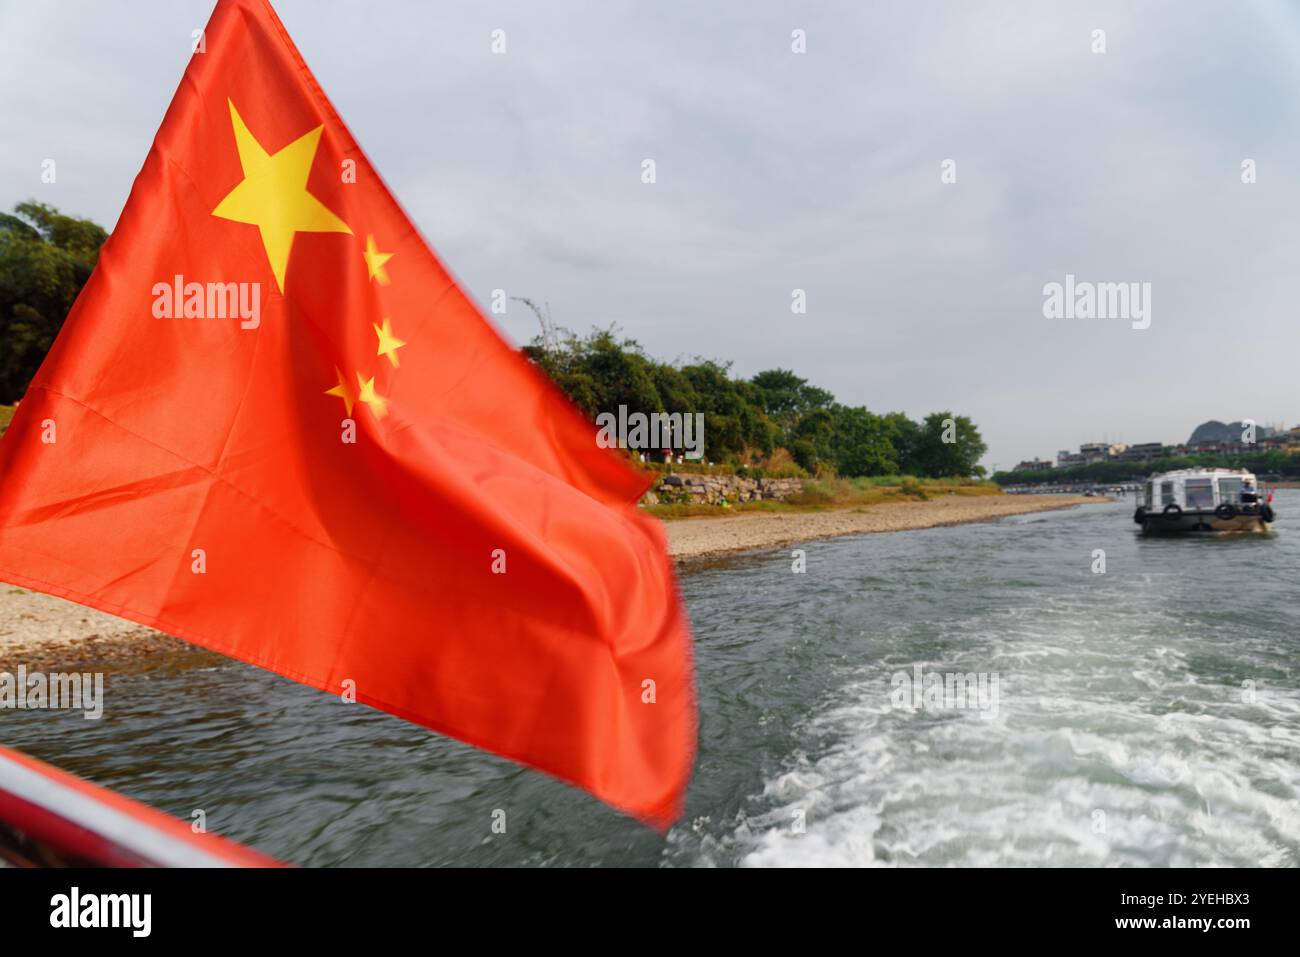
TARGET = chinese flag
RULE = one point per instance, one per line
(334, 467)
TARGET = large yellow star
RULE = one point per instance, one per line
(375, 261)
(273, 195)
(388, 343)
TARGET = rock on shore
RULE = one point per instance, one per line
(690, 488)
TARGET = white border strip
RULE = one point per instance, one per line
(156, 846)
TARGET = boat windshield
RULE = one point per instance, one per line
(1230, 491)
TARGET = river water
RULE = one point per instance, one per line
(1144, 715)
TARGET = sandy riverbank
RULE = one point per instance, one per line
(692, 538)
(46, 633)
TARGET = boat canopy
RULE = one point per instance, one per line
(1197, 488)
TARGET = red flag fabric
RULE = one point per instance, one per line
(273, 425)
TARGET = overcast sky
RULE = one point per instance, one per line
(779, 171)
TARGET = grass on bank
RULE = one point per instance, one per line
(825, 494)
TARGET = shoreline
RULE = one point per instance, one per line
(45, 633)
(692, 539)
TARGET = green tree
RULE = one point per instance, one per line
(811, 440)
(733, 419)
(800, 414)
(786, 398)
(949, 445)
(601, 372)
(45, 259)
(905, 436)
(861, 444)
(776, 408)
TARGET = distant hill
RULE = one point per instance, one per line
(1216, 431)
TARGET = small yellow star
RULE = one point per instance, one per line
(378, 404)
(375, 261)
(388, 343)
(343, 391)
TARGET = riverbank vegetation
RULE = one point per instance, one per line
(775, 424)
(45, 259)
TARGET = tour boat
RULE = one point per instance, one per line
(1204, 500)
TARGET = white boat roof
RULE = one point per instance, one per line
(1183, 474)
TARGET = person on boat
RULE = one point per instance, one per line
(1248, 494)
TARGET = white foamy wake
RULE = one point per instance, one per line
(1090, 761)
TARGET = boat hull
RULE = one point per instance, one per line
(1202, 521)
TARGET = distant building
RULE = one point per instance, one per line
(1143, 452)
(1094, 452)
(1215, 437)
(1036, 465)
